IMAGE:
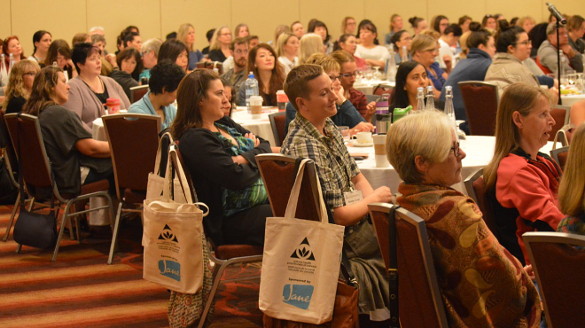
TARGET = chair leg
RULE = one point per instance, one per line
(218, 273)
(31, 204)
(12, 215)
(18, 248)
(115, 234)
(61, 229)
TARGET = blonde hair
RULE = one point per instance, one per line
(182, 34)
(421, 43)
(281, 42)
(215, 44)
(327, 62)
(520, 22)
(15, 87)
(571, 191)
(344, 23)
(518, 97)
(309, 44)
(425, 133)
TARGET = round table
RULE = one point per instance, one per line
(258, 126)
(479, 150)
(368, 86)
(569, 100)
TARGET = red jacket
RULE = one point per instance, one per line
(527, 189)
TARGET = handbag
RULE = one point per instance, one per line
(156, 181)
(563, 136)
(300, 264)
(34, 229)
(172, 237)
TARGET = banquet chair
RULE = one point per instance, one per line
(418, 289)
(137, 92)
(277, 122)
(558, 260)
(222, 256)
(544, 69)
(561, 117)
(11, 167)
(25, 132)
(481, 104)
(133, 140)
(211, 65)
(279, 173)
(560, 155)
(475, 187)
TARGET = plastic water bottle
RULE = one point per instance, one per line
(391, 66)
(420, 98)
(404, 54)
(449, 109)
(430, 98)
(251, 89)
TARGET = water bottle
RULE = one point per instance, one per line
(391, 66)
(404, 54)
(251, 85)
(430, 98)
(11, 63)
(449, 109)
(563, 63)
(420, 98)
(3, 72)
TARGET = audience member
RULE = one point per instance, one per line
(12, 46)
(447, 45)
(374, 55)
(571, 192)
(418, 24)
(209, 35)
(238, 74)
(96, 30)
(280, 29)
(90, 91)
(267, 70)
(220, 48)
(548, 55)
(481, 284)
(253, 41)
(163, 83)
(348, 42)
(60, 53)
(76, 159)
(287, 49)
(401, 41)
(230, 94)
(241, 30)
(424, 49)
(410, 76)
(489, 21)
(482, 48)
(521, 182)
(20, 82)
(186, 34)
(309, 44)
(395, 27)
(149, 50)
(348, 25)
(132, 39)
(41, 42)
(576, 26)
(297, 29)
(130, 65)
(464, 22)
(176, 51)
(526, 23)
(313, 135)
(220, 154)
(319, 28)
(440, 23)
(80, 38)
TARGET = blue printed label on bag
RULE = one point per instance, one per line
(170, 269)
(297, 295)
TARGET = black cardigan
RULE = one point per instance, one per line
(212, 169)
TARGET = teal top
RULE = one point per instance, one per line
(235, 201)
(144, 106)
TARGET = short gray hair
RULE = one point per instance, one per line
(426, 133)
(151, 45)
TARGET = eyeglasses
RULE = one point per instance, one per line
(527, 42)
(348, 75)
(30, 73)
(456, 150)
(334, 77)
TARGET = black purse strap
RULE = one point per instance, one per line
(393, 270)
(346, 268)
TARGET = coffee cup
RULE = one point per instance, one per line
(281, 100)
(364, 138)
(256, 106)
(380, 150)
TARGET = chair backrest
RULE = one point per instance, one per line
(26, 131)
(544, 69)
(561, 116)
(278, 173)
(137, 92)
(418, 289)
(481, 104)
(560, 155)
(277, 123)
(9, 150)
(133, 140)
(211, 65)
(559, 269)
(475, 186)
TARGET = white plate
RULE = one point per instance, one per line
(357, 144)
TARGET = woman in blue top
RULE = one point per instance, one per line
(164, 81)
(424, 49)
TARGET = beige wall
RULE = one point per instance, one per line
(156, 18)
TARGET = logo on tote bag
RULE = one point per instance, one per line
(170, 269)
(167, 234)
(297, 295)
(303, 251)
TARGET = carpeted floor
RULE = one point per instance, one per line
(81, 290)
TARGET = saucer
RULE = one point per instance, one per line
(357, 144)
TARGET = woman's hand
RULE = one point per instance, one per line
(252, 137)
(529, 271)
(240, 160)
(382, 195)
(370, 111)
(111, 58)
(362, 127)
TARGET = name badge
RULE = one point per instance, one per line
(352, 196)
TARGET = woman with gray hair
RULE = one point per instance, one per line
(481, 284)
(149, 51)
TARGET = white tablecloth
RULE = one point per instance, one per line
(479, 150)
(367, 86)
(260, 127)
(98, 218)
(569, 100)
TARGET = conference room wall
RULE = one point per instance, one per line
(156, 18)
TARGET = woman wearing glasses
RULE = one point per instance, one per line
(424, 49)
(401, 40)
(481, 284)
(20, 82)
(220, 48)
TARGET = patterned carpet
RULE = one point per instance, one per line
(81, 290)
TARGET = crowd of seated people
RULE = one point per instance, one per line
(68, 85)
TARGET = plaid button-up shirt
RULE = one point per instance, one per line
(335, 166)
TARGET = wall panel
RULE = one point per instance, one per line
(263, 16)
(331, 12)
(5, 21)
